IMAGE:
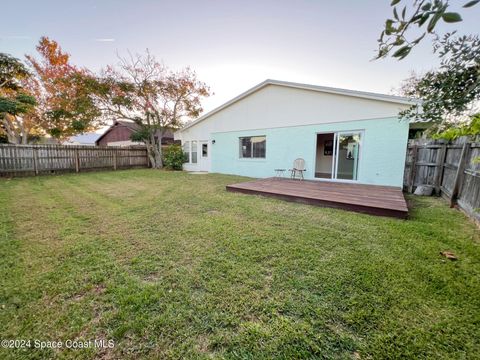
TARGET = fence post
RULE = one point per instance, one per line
(459, 173)
(442, 153)
(115, 159)
(413, 167)
(77, 160)
(35, 160)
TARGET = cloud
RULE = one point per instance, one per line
(14, 37)
(105, 39)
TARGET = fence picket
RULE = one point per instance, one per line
(456, 171)
(30, 160)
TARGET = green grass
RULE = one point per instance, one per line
(170, 265)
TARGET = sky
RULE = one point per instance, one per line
(232, 45)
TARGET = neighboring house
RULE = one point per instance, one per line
(120, 132)
(342, 135)
(84, 139)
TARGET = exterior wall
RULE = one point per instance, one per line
(382, 156)
(203, 163)
(290, 118)
(278, 106)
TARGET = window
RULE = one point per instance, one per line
(253, 147)
(190, 151)
(204, 150)
(186, 150)
(194, 152)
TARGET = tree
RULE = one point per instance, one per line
(454, 131)
(65, 105)
(396, 38)
(15, 102)
(12, 71)
(143, 90)
(449, 94)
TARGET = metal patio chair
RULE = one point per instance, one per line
(298, 168)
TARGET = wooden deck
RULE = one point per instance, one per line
(370, 199)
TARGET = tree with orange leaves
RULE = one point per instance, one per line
(143, 90)
(65, 105)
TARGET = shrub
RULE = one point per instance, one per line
(454, 131)
(173, 157)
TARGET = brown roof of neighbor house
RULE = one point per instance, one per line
(132, 127)
(128, 124)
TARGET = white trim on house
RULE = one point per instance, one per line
(324, 89)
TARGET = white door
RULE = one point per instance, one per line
(204, 156)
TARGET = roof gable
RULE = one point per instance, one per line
(323, 89)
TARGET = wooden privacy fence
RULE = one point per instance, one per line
(27, 160)
(451, 168)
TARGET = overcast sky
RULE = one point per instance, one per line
(232, 45)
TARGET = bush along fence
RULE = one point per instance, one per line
(451, 168)
(31, 160)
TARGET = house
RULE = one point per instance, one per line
(88, 139)
(119, 133)
(343, 135)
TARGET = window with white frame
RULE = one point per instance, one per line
(253, 147)
(186, 150)
(190, 151)
(194, 152)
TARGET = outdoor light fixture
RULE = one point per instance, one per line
(213, 141)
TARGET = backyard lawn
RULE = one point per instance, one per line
(170, 265)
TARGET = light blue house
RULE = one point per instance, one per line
(342, 135)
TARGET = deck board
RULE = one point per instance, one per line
(370, 199)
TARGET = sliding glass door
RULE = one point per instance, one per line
(338, 155)
(347, 155)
